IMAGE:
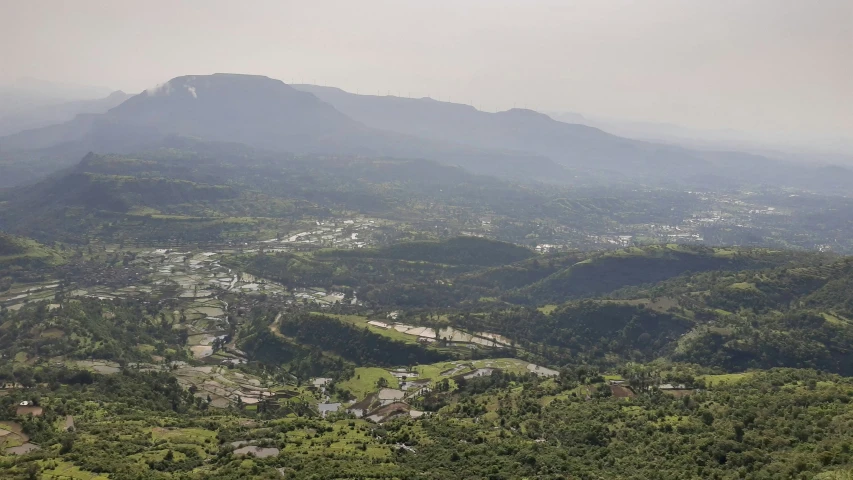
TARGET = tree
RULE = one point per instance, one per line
(67, 444)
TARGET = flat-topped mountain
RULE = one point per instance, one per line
(249, 109)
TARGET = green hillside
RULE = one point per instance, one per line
(23, 259)
(606, 272)
(19, 250)
(520, 274)
(455, 251)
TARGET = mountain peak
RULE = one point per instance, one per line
(191, 85)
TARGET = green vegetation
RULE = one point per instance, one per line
(361, 321)
(358, 345)
(455, 251)
(776, 424)
(91, 329)
(367, 380)
(25, 260)
(191, 327)
(725, 378)
(604, 273)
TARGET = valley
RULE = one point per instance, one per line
(231, 277)
(292, 335)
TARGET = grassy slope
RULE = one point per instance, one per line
(23, 252)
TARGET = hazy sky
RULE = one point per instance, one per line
(774, 66)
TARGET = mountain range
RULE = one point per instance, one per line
(576, 145)
(268, 114)
(257, 111)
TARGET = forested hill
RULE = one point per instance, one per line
(455, 251)
(602, 273)
(820, 285)
(797, 315)
(468, 270)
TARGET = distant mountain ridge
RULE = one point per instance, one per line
(52, 114)
(574, 145)
(267, 114)
(24, 94)
(260, 112)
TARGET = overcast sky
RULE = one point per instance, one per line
(783, 67)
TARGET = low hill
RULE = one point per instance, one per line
(192, 178)
(25, 260)
(799, 315)
(455, 251)
(606, 272)
(519, 274)
(26, 253)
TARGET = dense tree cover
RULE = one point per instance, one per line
(269, 347)
(807, 275)
(454, 251)
(10, 246)
(779, 424)
(326, 271)
(795, 339)
(440, 274)
(606, 272)
(412, 264)
(590, 331)
(782, 423)
(789, 316)
(292, 270)
(794, 315)
(107, 412)
(358, 345)
(797, 315)
(420, 295)
(378, 281)
(519, 274)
